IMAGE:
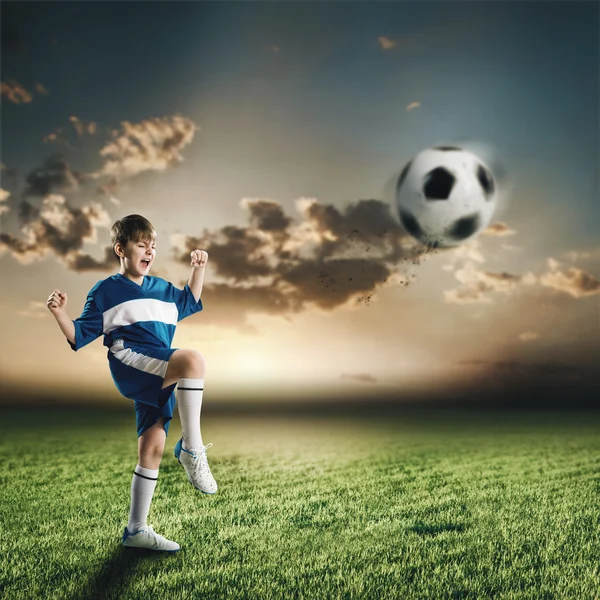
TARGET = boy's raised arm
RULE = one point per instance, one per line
(57, 303)
(66, 325)
(199, 259)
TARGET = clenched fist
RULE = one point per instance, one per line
(199, 258)
(57, 302)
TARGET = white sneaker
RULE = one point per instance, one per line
(148, 538)
(196, 467)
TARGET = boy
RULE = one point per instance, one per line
(137, 314)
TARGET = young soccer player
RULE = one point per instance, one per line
(137, 314)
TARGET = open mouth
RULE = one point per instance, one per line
(145, 263)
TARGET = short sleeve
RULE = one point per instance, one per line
(88, 326)
(185, 301)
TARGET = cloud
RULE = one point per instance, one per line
(9, 176)
(35, 310)
(54, 136)
(279, 265)
(81, 127)
(151, 145)
(274, 48)
(573, 281)
(474, 294)
(516, 366)
(79, 261)
(14, 92)
(386, 43)
(583, 255)
(499, 229)
(469, 250)
(56, 227)
(41, 89)
(498, 282)
(59, 227)
(109, 189)
(575, 256)
(4, 195)
(511, 248)
(413, 105)
(528, 336)
(478, 283)
(362, 377)
(55, 176)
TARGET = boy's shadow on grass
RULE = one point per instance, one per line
(112, 580)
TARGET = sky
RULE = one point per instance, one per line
(270, 134)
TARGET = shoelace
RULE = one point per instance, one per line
(157, 538)
(200, 460)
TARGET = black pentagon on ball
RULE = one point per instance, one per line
(486, 181)
(438, 184)
(410, 223)
(448, 148)
(465, 227)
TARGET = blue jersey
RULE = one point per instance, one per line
(141, 315)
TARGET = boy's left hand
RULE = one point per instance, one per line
(199, 258)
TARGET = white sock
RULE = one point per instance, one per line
(189, 403)
(142, 489)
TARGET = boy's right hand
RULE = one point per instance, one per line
(57, 302)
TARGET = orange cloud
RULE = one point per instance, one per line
(81, 127)
(528, 336)
(36, 310)
(362, 377)
(573, 281)
(14, 92)
(499, 229)
(151, 145)
(4, 195)
(56, 227)
(41, 89)
(386, 43)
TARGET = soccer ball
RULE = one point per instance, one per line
(445, 195)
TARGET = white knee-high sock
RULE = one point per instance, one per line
(189, 403)
(142, 490)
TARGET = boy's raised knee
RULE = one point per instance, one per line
(193, 365)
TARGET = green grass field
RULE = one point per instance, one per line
(426, 505)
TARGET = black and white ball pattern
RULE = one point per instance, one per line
(445, 195)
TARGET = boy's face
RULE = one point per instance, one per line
(139, 256)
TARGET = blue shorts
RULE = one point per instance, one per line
(139, 372)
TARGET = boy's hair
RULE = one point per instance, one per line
(131, 227)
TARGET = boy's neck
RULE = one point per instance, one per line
(139, 280)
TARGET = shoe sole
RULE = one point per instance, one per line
(125, 538)
(151, 549)
(178, 446)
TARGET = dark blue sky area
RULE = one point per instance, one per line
(522, 76)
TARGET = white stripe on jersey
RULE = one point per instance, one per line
(134, 311)
(138, 361)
